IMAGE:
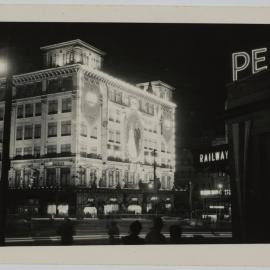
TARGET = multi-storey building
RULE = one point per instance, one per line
(80, 137)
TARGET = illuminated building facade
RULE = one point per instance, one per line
(82, 138)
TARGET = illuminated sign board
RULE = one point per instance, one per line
(210, 192)
(214, 156)
(256, 60)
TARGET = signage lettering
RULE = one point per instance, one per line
(214, 156)
(241, 61)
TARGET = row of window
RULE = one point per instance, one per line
(51, 149)
(30, 131)
(118, 97)
(114, 136)
(114, 116)
(84, 131)
(30, 109)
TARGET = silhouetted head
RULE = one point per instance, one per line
(175, 231)
(158, 223)
(135, 227)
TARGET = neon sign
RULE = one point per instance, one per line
(214, 156)
(242, 60)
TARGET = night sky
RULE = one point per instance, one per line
(194, 58)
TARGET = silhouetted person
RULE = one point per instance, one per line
(155, 236)
(175, 234)
(133, 238)
(113, 233)
(66, 231)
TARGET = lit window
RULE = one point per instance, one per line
(51, 149)
(36, 151)
(118, 97)
(93, 149)
(83, 130)
(29, 110)
(18, 151)
(27, 151)
(94, 133)
(83, 150)
(65, 148)
(162, 147)
(52, 107)
(111, 137)
(117, 137)
(65, 128)
(28, 132)
(20, 111)
(37, 131)
(19, 133)
(38, 109)
(66, 105)
(52, 129)
(117, 119)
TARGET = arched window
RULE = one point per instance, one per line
(111, 182)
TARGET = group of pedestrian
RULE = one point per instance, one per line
(154, 236)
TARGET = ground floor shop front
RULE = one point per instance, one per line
(85, 202)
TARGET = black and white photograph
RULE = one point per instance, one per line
(134, 133)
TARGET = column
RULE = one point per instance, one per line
(104, 120)
(44, 125)
(12, 130)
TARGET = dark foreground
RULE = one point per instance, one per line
(95, 232)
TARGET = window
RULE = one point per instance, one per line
(1, 114)
(29, 110)
(118, 97)
(93, 149)
(111, 115)
(94, 133)
(65, 176)
(111, 137)
(51, 177)
(65, 128)
(83, 151)
(18, 151)
(111, 182)
(66, 105)
(20, 111)
(52, 107)
(51, 149)
(83, 130)
(27, 151)
(37, 134)
(117, 140)
(52, 129)
(162, 147)
(19, 133)
(1, 135)
(38, 109)
(117, 119)
(28, 132)
(36, 151)
(65, 148)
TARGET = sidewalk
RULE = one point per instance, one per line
(102, 239)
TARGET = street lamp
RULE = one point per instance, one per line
(6, 143)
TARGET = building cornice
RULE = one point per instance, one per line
(42, 74)
(106, 78)
(100, 75)
(72, 43)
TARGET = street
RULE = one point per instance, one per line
(94, 231)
